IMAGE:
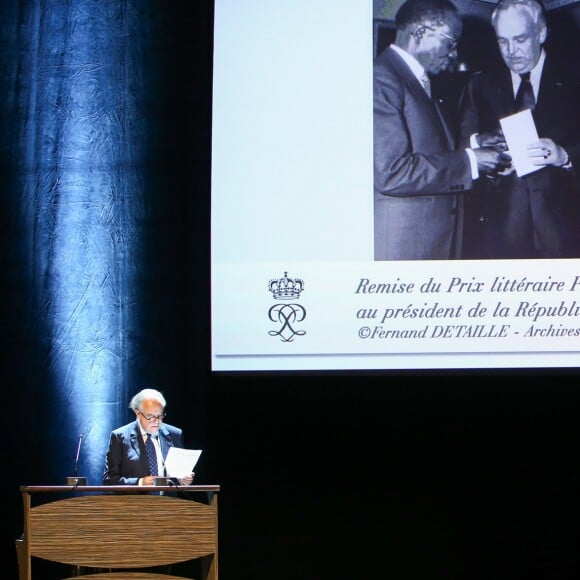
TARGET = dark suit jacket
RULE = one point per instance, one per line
(535, 216)
(126, 459)
(417, 171)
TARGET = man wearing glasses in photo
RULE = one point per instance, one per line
(128, 461)
(419, 173)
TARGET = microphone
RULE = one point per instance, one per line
(161, 479)
(76, 480)
(76, 469)
(166, 479)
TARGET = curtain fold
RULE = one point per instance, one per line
(76, 103)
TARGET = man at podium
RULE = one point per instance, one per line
(137, 451)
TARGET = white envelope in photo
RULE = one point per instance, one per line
(519, 131)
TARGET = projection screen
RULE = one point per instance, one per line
(294, 282)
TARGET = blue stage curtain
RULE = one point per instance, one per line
(97, 158)
(104, 207)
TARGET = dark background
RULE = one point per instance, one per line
(405, 475)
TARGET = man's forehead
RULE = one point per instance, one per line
(150, 403)
(452, 21)
(453, 27)
(514, 17)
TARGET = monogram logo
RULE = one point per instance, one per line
(287, 315)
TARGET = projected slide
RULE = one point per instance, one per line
(295, 283)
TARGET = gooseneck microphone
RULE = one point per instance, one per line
(76, 469)
(163, 479)
(75, 479)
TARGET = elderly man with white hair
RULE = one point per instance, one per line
(535, 215)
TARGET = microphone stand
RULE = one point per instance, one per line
(76, 480)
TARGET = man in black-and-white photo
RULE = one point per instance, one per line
(537, 215)
(420, 175)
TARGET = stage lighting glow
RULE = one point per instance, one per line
(81, 184)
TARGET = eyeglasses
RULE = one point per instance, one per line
(152, 418)
(452, 44)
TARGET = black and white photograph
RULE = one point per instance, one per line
(446, 181)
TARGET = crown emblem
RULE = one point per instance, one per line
(286, 288)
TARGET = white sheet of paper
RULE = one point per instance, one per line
(519, 131)
(180, 462)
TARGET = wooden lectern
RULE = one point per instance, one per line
(103, 527)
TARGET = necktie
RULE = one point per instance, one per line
(151, 456)
(525, 95)
(426, 84)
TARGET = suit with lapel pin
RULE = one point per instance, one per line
(537, 215)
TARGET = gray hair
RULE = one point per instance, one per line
(533, 8)
(146, 395)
